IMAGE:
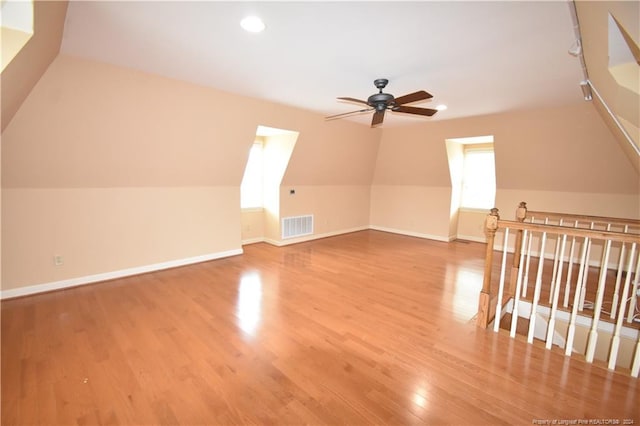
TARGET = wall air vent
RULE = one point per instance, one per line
(297, 226)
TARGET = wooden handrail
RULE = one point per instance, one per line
(571, 231)
(566, 234)
(634, 223)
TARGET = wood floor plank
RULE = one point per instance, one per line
(363, 328)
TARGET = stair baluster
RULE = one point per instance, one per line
(615, 342)
(576, 299)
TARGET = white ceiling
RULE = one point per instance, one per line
(475, 57)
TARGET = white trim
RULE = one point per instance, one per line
(615, 119)
(311, 237)
(278, 243)
(89, 279)
(251, 209)
(410, 233)
(474, 210)
(473, 238)
(252, 241)
(273, 242)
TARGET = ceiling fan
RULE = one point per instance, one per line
(380, 102)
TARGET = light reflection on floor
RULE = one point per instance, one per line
(419, 398)
(466, 284)
(249, 306)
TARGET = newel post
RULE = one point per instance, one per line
(484, 303)
(521, 214)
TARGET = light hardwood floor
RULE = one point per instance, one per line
(364, 328)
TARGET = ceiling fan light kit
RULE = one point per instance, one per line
(380, 102)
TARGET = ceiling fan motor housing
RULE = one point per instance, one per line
(381, 101)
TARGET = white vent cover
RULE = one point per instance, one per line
(297, 226)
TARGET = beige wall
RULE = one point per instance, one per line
(411, 190)
(336, 208)
(471, 223)
(113, 168)
(334, 152)
(26, 68)
(422, 211)
(88, 124)
(330, 170)
(561, 159)
(252, 225)
(589, 203)
(101, 230)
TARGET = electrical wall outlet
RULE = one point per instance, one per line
(58, 260)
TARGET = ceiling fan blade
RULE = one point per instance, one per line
(347, 114)
(420, 95)
(378, 116)
(358, 101)
(415, 110)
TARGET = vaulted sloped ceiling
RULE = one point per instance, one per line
(477, 57)
(620, 105)
(24, 71)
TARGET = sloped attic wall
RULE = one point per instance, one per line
(332, 179)
(24, 71)
(116, 169)
(623, 102)
(26, 68)
(562, 159)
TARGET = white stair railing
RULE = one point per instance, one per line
(618, 248)
(627, 226)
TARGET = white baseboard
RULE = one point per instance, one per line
(252, 241)
(473, 238)
(289, 241)
(89, 279)
(410, 233)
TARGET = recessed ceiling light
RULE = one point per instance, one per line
(441, 107)
(253, 24)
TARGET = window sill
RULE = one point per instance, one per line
(474, 210)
